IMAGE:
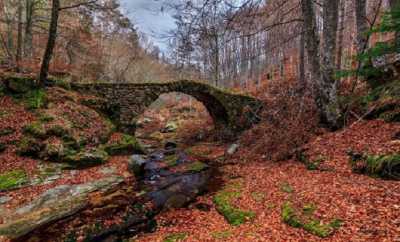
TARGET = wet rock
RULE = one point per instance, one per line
(232, 149)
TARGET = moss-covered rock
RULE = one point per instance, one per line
(126, 145)
(29, 146)
(53, 149)
(58, 131)
(384, 166)
(20, 84)
(383, 102)
(36, 130)
(86, 158)
(306, 221)
(13, 179)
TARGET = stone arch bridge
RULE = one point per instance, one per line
(126, 101)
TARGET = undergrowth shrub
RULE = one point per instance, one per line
(288, 122)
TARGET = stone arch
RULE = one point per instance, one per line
(231, 111)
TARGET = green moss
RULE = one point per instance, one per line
(309, 209)
(285, 187)
(29, 146)
(306, 222)
(234, 216)
(175, 237)
(197, 166)
(171, 160)
(221, 234)
(125, 146)
(36, 98)
(36, 129)
(289, 216)
(86, 158)
(13, 179)
(20, 84)
(63, 84)
(384, 166)
(315, 227)
(44, 118)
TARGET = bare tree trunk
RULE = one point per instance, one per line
(302, 57)
(216, 59)
(341, 34)
(362, 24)
(19, 37)
(29, 12)
(44, 70)
(323, 72)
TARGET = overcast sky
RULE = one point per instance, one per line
(149, 19)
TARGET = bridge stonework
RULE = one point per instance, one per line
(126, 101)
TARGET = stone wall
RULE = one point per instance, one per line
(126, 101)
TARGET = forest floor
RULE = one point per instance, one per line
(368, 208)
(364, 208)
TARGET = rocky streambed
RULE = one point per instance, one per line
(113, 207)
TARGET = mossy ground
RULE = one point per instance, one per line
(175, 237)
(305, 220)
(13, 179)
(125, 145)
(224, 200)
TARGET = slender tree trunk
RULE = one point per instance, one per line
(29, 12)
(302, 64)
(44, 70)
(341, 34)
(216, 57)
(362, 24)
(19, 37)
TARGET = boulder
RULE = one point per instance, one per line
(53, 149)
(86, 158)
(53, 205)
(20, 84)
(29, 146)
